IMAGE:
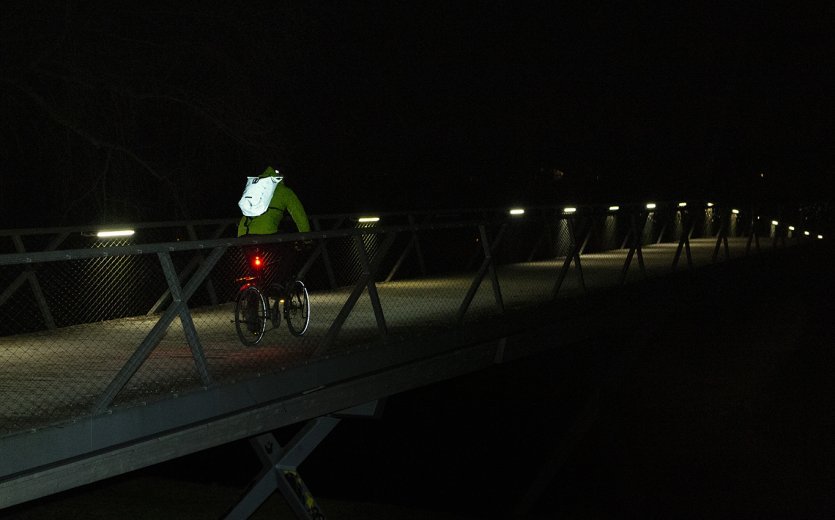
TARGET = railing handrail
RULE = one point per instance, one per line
(235, 219)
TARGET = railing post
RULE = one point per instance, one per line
(486, 266)
(414, 243)
(185, 317)
(637, 238)
(156, 334)
(573, 254)
(30, 275)
(752, 235)
(684, 240)
(366, 280)
(195, 261)
(722, 236)
(323, 251)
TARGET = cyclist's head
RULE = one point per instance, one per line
(270, 172)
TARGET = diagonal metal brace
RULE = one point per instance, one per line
(574, 254)
(684, 241)
(279, 471)
(487, 265)
(156, 334)
(637, 238)
(366, 281)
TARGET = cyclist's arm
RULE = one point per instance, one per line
(296, 210)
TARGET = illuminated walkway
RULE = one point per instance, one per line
(86, 401)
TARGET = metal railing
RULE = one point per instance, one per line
(88, 324)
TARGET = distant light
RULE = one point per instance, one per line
(517, 211)
(569, 210)
(820, 237)
(791, 228)
(614, 208)
(775, 223)
(709, 204)
(366, 220)
(115, 233)
(735, 211)
(651, 205)
(682, 204)
(806, 233)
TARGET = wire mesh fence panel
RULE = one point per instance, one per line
(81, 337)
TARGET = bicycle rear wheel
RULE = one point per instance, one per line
(297, 309)
(250, 316)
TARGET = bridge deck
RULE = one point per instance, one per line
(56, 374)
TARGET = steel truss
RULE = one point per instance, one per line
(280, 465)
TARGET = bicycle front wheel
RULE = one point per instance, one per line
(297, 309)
(251, 315)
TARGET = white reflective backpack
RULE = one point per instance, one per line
(257, 195)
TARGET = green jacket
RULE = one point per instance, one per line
(284, 199)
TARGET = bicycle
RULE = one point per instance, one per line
(255, 304)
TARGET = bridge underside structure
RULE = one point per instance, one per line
(122, 353)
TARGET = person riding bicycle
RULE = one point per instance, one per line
(281, 259)
(268, 223)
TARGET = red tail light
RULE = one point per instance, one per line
(257, 262)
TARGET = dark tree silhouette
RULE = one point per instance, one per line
(112, 113)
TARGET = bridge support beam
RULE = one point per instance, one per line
(279, 471)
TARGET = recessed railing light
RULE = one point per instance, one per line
(709, 204)
(614, 208)
(806, 233)
(682, 204)
(115, 233)
(517, 211)
(791, 228)
(569, 209)
(651, 205)
(735, 211)
(820, 237)
(775, 223)
(368, 220)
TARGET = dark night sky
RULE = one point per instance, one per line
(153, 113)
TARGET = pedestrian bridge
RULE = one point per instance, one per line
(118, 352)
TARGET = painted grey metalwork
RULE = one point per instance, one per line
(86, 368)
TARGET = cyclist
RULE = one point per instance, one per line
(284, 199)
(282, 257)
